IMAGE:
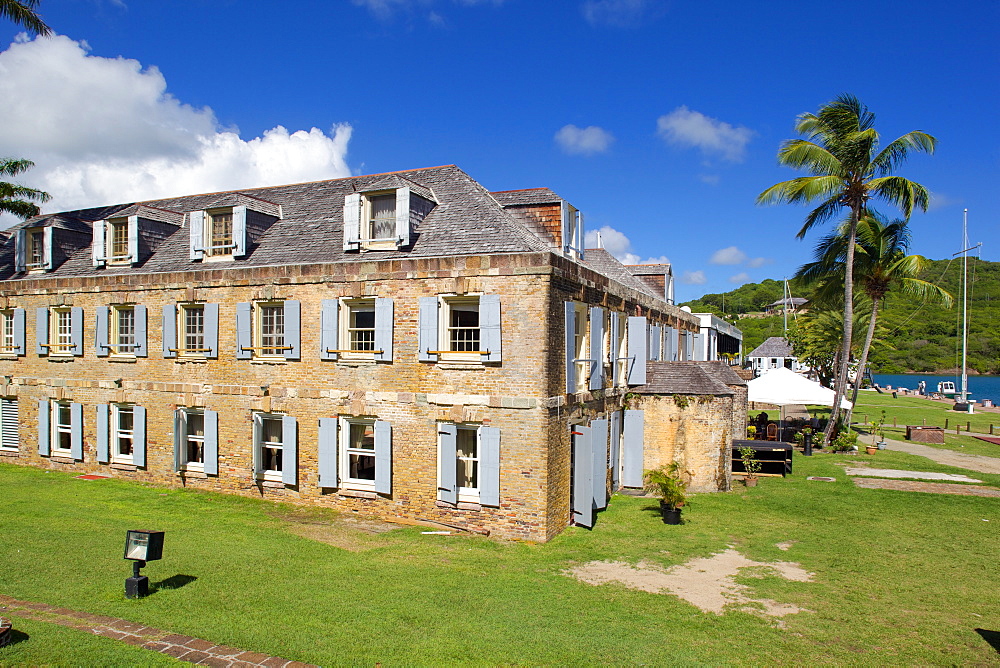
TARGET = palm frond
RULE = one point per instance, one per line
(821, 214)
(900, 192)
(14, 166)
(890, 157)
(803, 154)
(23, 14)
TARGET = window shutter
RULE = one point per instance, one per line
(570, 335)
(671, 344)
(47, 249)
(614, 454)
(76, 329)
(352, 221)
(211, 330)
(76, 431)
(613, 348)
(180, 429)
(139, 436)
(489, 466)
(41, 330)
(698, 343)
(383, 457)
(289, 450)
(327, 453)
(258, 465)
(329, 328)
(596, 348)
(654, 343)
(568, 226)
(583, 476)
(580, 235)
(169, 321)
(196, 223)
(101, 348)
(428, 338)
(133, 239)
(20, 251)
(211, 443)
(239, 231)
(97, 243)
(688, 346)
(632, 448)
(402, 217)
(243, 328)
(293, 319)
(489, 327)
(20, 341)
(43, 427)
(383, 328)
(636, 350)
(103, 451)
(140, 331)
(448, 484)
(599, 440)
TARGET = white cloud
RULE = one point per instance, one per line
(710, 179)
(663, 259)
(620, 13)
(618, 245)
(942, 201)
(685, 127)
(730, 255)
(583, 141)
(104, 130)
(740, 278)
(757, 262)
(694, 278)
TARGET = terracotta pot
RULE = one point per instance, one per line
(871, 449)
(750, 482)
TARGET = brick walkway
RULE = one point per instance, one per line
(929, 487)
(185, 648)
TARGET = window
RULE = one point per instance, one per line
(196, 441)
(12, 332)
(357, 329)
(460, 329)
(61, 342)
(117, 241)
(580, 361)
(62, 427)
(586, 347)
(120, 331)
(384, 219)
(219, 233)
(192, 334)
(619, 353)
(366, 454)
(275, 447)
(36, 249)
(123, 330)
(360, 322)
(381, 218)
(9, 424)
(191, 331)
(268, 330)
(468, 464)
(122, 433)
(59, 331)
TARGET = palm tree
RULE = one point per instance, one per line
(880, 265)
(23, 14)
(847, 167)
(17, 199)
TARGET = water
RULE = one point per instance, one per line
(980, 387)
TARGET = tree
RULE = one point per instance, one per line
(847, 167)
(17, 199)
(816, 339)
(23, 14)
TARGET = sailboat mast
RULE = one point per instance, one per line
(965, 303)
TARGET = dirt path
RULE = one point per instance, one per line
(979, 463)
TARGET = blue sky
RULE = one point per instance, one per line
(659, 119)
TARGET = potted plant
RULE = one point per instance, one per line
(751, 465)
(880, 430)
(751, 432)
(846, 441)
(667, 482)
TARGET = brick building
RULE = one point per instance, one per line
(404, 344)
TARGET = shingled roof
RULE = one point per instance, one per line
(526, 197)
(605, 263)
(775, 346)
(715, 378)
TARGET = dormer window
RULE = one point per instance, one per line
(381, 225)
(118, 240)
(228, 232)
(33, 249)
(219, 233)
(383, 219)
(36, 249)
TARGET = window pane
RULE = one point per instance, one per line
(195, 450)
(468, 458)
(362, 467)
(362, 437)
(194, 328)
(272, 330)
(464, 330)
(383, 222)
(119, 239)
(125, 330)
(220, 233)
(362, 328)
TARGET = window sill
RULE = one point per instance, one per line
(271, 484)
(193, 474)
(190, 360)
(455, 364)
(269, 360)
(217, 258)
(63, 459)
(60, 358)
(461, 505)
(121, 466)
(9, 453)
(9, 356)
(358, 494)
(131, 359)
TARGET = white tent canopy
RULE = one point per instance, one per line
(783, 387)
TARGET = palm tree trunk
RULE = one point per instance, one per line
(845, 352)
(869, 337)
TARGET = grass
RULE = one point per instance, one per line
(41, 644)
(898, 577)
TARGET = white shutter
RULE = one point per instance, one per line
(196, 230)
(352, 221)
(133, 239)
(402, 217)
(570, 335)
(448, 444)
(383, 457)
(20, 250)
(636, 350)
(327, 453)
(329, 329)
(289, 450)
(383, 328)
(239, 231)
(97, 243)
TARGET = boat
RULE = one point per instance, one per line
(946, 388)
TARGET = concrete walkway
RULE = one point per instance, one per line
(980, 463)
(185, 648)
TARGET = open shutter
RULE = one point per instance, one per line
(583, 476)
(293, 319)
(212, 330)
(448, 484)
(140, 330)
(169, 321)
(570, 335)
(327, 453)
(614, 348)
(383, 329)
(632, 448)
(239, 231)
(329, 329)
(139, 435)
(41, 331)
(383, 457)
(44, 441)
(103, 449)
(402, 217)
(97, 243)
(636, 350)
(76, 329)
(599, 443)
(258, 440)
(243, 328)
(20, 250)
(688, 346)
(489, 327)
(671, 344)
(180, 428)
(654, 343)
(211, 443)
(352, 221)
(101, 316)
(289, 450)
(20, 342)
(196, 228)
(568, 225)
(596, 348)
(133, 239)
(614, 453)
(76, 431)
(47, 263)
(428, 338)
(698, 345)
(489, 466)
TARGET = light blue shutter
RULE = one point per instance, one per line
(689, 346)
(698, 346)
(76, 431)
(212, 330)
(103, 451)
(489, 327)
(599, 442)
(654, 343)
(47, 249)
(614, 455)
(614, 349)
(570, 335)
(402, 217)
(243, 329)
(196, 227)
(20, 342)
(383, 457)
(76, 329)
(671, 344)
(41, 331)
(140, 330)
(489, 466)
(211, 443)
(327, 453)
(329, 329)
(44, 441)
(169, 321)
(101, 348)
(133, 239)
(258, 439)
(180, 433)
(428, 337)
(97, 243)
(383, 328)
(583, 476)
(636, 350)
(289, 450)
(352, 221)
(20, 251)
(139, 435)
(239, 231)
(448, 485)
(596, 348)
(293, 319)
(632, 448)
